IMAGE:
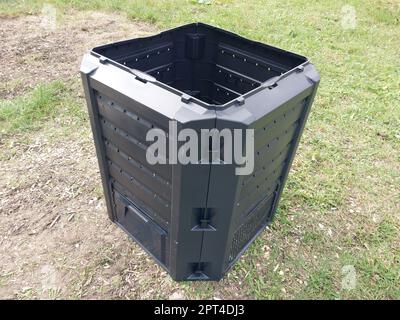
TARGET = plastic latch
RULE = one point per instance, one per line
(185, 98)
(198, 275)
(204, 223)
(204, 226)
(141, 76)
(204, 217)
(103, 60)
(198, 271)
(300, 69)
(240, 101)
(271, 83)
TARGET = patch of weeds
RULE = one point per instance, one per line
(282, 222)
(311, 237)
(44, 102)
(386, 231)
(98, 191)
(53, 293)
(321, 282)
(85, 278)
(261, 276)
(27, 294)
(199, 290)
(383, 13)
(383, 277)
(377, 276)
(4, 278)
(383, 233)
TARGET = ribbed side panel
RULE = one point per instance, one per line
(124, 136)
(274, 139)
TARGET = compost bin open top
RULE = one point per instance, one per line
(196, 219)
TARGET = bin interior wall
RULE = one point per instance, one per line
(207, 63)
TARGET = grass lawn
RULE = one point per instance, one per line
(340, 210)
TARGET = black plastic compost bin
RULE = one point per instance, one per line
(196, 219)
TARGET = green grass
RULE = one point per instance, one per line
(45, 101)
(341, 203)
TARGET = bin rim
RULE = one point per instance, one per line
(186, 98)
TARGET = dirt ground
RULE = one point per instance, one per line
(41, 54)
(55, 237)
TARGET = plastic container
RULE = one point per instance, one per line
(195, 219)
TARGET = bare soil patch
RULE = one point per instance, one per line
(55, 237)
(32, 53)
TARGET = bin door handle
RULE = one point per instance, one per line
(139, 214)
(132, 208)
(141, 76)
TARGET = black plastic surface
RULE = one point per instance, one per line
(204, 62)
(197, 219)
